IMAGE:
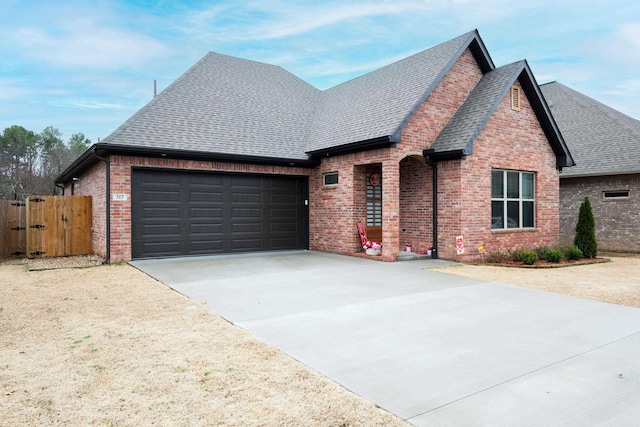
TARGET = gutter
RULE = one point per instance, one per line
(88, 158)
(107, 205)
(369, 144)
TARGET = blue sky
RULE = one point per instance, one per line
(86, 66)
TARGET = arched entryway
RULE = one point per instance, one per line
(416, 208)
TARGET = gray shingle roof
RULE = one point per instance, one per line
(226, 105)
(467, 122)
(602, 140)
(377, 104)
(232, 106)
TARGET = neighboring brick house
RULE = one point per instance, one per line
(239, 156)
(605, 145)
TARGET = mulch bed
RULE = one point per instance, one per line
(544, 264)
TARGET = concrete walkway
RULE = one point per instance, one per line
(433, 348)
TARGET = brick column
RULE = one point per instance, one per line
(390, 210)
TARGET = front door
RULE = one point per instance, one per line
(374, 205)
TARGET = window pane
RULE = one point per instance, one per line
(527, 186)
(497, 184)
(497, 214)
(330, 178)
(527, 214)
(513, 214)
(513, 185)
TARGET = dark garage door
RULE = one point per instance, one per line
(178, 213)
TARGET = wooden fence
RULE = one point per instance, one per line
(50, 225)
(13, 236)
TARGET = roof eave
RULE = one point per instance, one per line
(564, 159)
(88, 158)
(439, 156)
(354, 147)
(599, 174)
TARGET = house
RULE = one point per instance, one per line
(239, 156)
(605, 144)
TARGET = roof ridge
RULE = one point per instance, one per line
(612, 113)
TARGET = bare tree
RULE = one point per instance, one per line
(30, 162)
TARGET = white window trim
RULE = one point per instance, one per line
(324, 179)
(519, 199)
(613, 195)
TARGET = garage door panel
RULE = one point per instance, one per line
(206, 197)
(208, 214)
(286, 227)
(250, 227)
(246, 212)
(177, 213)
(172, 230)
(246, 245)
(282, 243)
(205, 228)
(161, 195)
(206, 247)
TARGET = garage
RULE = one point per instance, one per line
(182, 213)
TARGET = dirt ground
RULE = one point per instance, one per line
(110, 346)
(616, 282)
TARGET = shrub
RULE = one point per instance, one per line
(553, 255)
(515, 254)
(496, 257)
(528, 257)
(573, 253)
(541, 251)
(585, 238)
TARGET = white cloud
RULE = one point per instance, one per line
(280, 19)
(78, 44)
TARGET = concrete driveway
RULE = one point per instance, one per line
(433, 348)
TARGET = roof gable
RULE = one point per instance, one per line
(377, 105)
(604, 141)
(458, 136)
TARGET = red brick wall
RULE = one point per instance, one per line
(416, 201)
(335, 211)
(92, 183)
(510, 140)
(433, 115)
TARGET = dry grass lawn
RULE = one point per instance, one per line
(110, 346)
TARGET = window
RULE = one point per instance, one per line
(515, 98)
(512, 199)
(374, 199)
(622, 194)
(330, 179)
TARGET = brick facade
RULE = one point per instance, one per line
(616, 219)
(510, 140)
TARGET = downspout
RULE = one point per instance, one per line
(434, 169)
(60, 187)
(432, 158)
(107, 206)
